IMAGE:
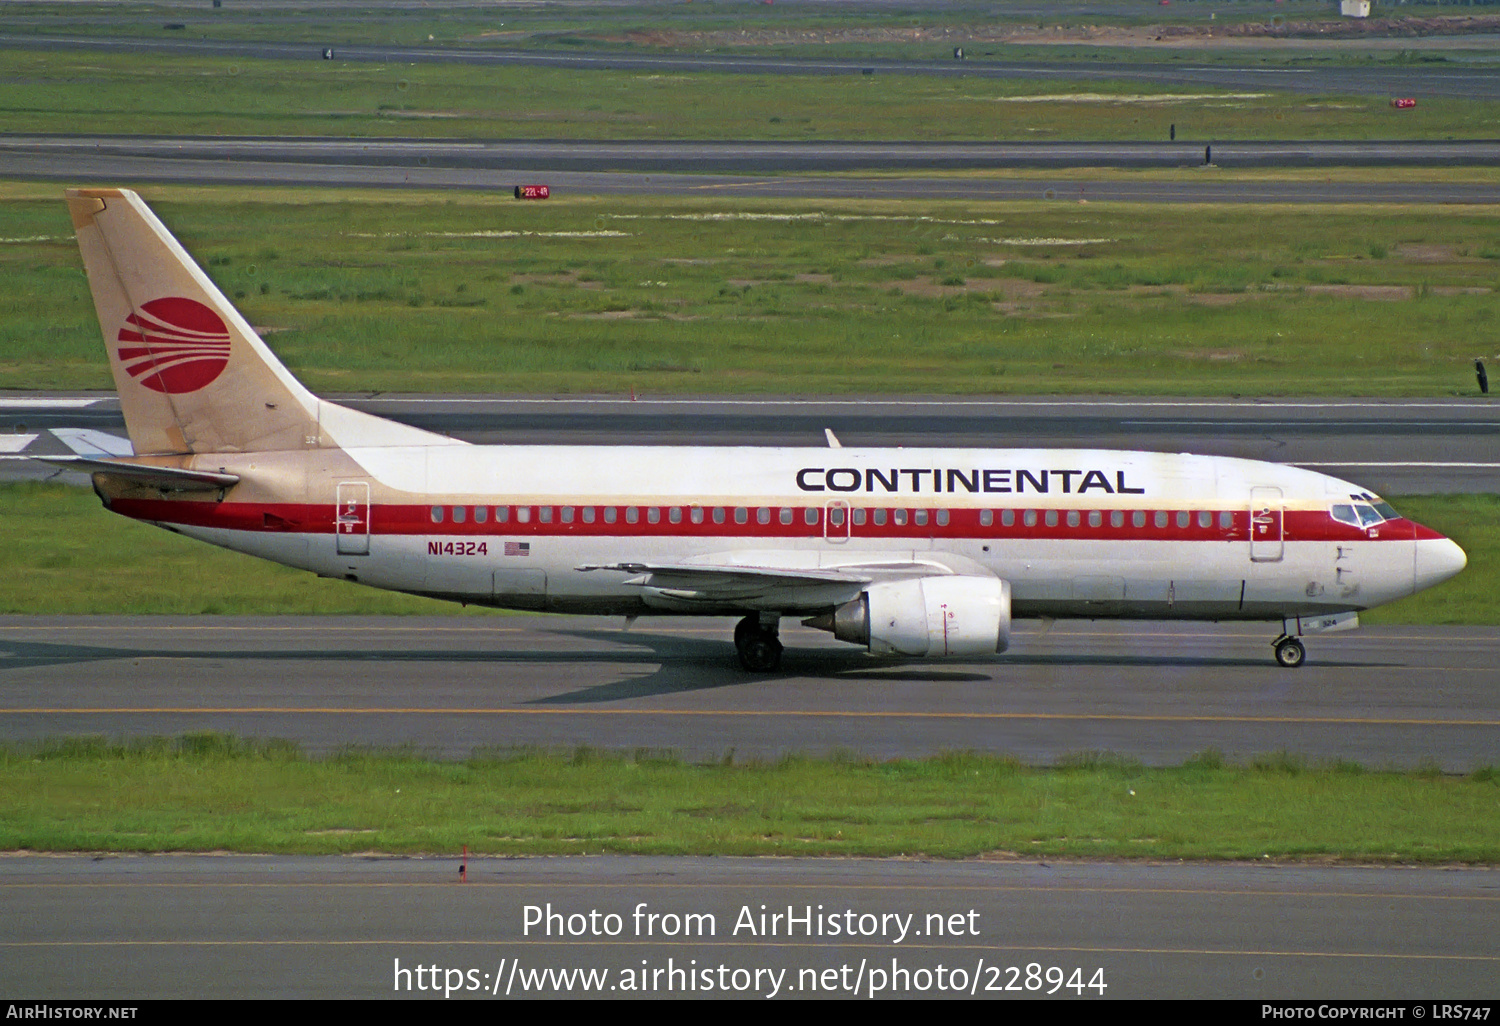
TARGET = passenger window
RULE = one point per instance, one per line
(858, 516)
(810, 516)
(1183, 519)
(836, 517)
(1205, 518)
(611, 514)
(502, 514)
(1073, 518)
(1030, 518)
(1096, 519)
(880, 518)
(718, 514)
(567, 514)
(695, 514)
(544, 514)
(1160, 518)
(1138, 518)
(632, 515)
(741, 515)
(458, 514)
(1226, 520)
(786, 514)
(437, 514)
(942, 518)
(898, 517)
(588, 514)
(921, 516)
(674, 515)
(986, 517)
(763, 515)
(481, 514)
(653, 515)
(1051, 518)
(523, 514)
(1007, 518)
(1116, 518)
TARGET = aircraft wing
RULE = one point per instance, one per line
(172, 479)
(788, 581)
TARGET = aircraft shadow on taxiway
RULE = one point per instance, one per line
(681, 664)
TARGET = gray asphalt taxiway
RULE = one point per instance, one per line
(125, 928)
(1158, 693)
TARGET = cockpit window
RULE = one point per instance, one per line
(1386, 510)
(1357, 514)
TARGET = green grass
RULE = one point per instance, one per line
(214, 793)
(99, 93)
(474, 292)
(1474, 522)
(62, 553)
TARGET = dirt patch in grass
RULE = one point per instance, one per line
(1388, 293)
(1427, 253)
(1029, 311)
(923, 285)
(1212, 355)
(560, 278)
(1217, 298)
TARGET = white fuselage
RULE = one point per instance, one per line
(1083, 533)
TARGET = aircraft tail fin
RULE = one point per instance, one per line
(193, 375)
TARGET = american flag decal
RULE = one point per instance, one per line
(518, 548)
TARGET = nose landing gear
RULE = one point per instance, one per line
(1289, 652)
(755, 638)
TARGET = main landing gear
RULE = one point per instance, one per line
(1289, 651)
(756, 641)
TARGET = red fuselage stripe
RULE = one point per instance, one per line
(963, 524)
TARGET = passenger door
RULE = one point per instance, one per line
(351, 523)
(1267, 541)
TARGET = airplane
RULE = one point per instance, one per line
(925, 553)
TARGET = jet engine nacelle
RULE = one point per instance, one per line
(927, 616)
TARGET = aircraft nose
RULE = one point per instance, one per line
(1437, 559)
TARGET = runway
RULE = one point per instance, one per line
(1158, 693)
(1396, 447)
(124, 929)
(715, 156)
(501, 167)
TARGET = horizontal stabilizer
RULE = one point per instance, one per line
(172, 479)
(89, 442)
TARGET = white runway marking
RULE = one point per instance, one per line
(46, 402)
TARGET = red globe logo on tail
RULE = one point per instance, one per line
(174, 345)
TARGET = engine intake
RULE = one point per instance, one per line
(926, 616)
